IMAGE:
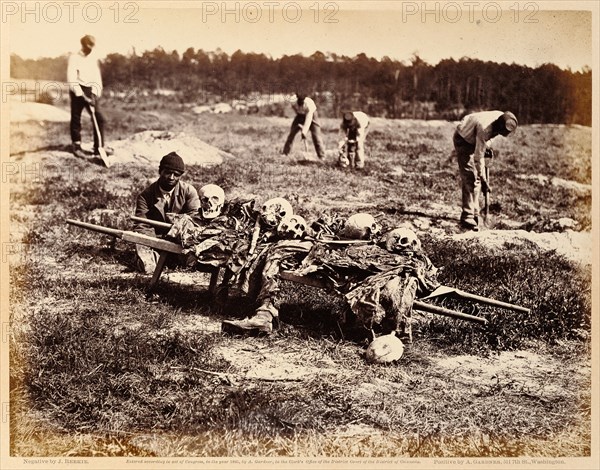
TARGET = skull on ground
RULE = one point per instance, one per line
(212, 198)
(292, 227)
(384, 349)
(402, 240)
(274, 210)
(361, 226)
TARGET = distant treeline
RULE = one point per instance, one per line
(388, 88)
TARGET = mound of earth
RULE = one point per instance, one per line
(558, 182)
(30, 111)
(575, 246)
(150, 146)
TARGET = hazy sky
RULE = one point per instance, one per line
(435, 30)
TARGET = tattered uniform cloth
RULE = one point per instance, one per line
(224, 241)
(379, 286)
(237, 241)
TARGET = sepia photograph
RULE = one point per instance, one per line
(299, 234)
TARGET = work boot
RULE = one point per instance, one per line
(262, 322)
(470, 223)
(78, 151)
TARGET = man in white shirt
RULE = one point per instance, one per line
(306, 119)
(85, 87)
(355, 126)
(471, 142)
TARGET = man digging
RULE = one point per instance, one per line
(306, 120)
(471, 142)
(85, 89)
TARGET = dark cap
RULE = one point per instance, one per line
(348, 117)
(88, 40)
(172, 161)
(510, 121)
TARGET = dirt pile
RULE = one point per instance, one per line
(575, 246)
(29, 111)
(150, 146)
(558, 183)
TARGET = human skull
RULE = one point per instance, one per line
(274, 210)
(402, 240)
(212, 198)
(292, 227)
(386, 348)
(361, 226)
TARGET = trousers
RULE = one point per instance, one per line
(470, 181)
(78, 104)
(315, 131)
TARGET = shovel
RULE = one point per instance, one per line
(101, 149)
(303, 138)
(486, 196)
(307, 156)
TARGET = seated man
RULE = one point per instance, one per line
(166, 195)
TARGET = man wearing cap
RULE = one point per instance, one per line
(471, 142)
(166, 195)
(85, 88)
(354, 126)
(306, 120)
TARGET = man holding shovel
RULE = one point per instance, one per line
(471, 142)
(306, 120)
(85, 88)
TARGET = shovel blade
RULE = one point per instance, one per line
(104, 157)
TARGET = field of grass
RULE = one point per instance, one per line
(99, 370)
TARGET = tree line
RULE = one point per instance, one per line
(386, 87)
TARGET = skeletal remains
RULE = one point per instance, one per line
(397, 284)
(385, 348)
(274, 210)
(292, 227)
(361, 226)
(402, 240)
(212, 198)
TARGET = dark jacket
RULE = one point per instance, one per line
(149, 205)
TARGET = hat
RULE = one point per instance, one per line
(172, 161)
(510, 121)
(88, 40)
